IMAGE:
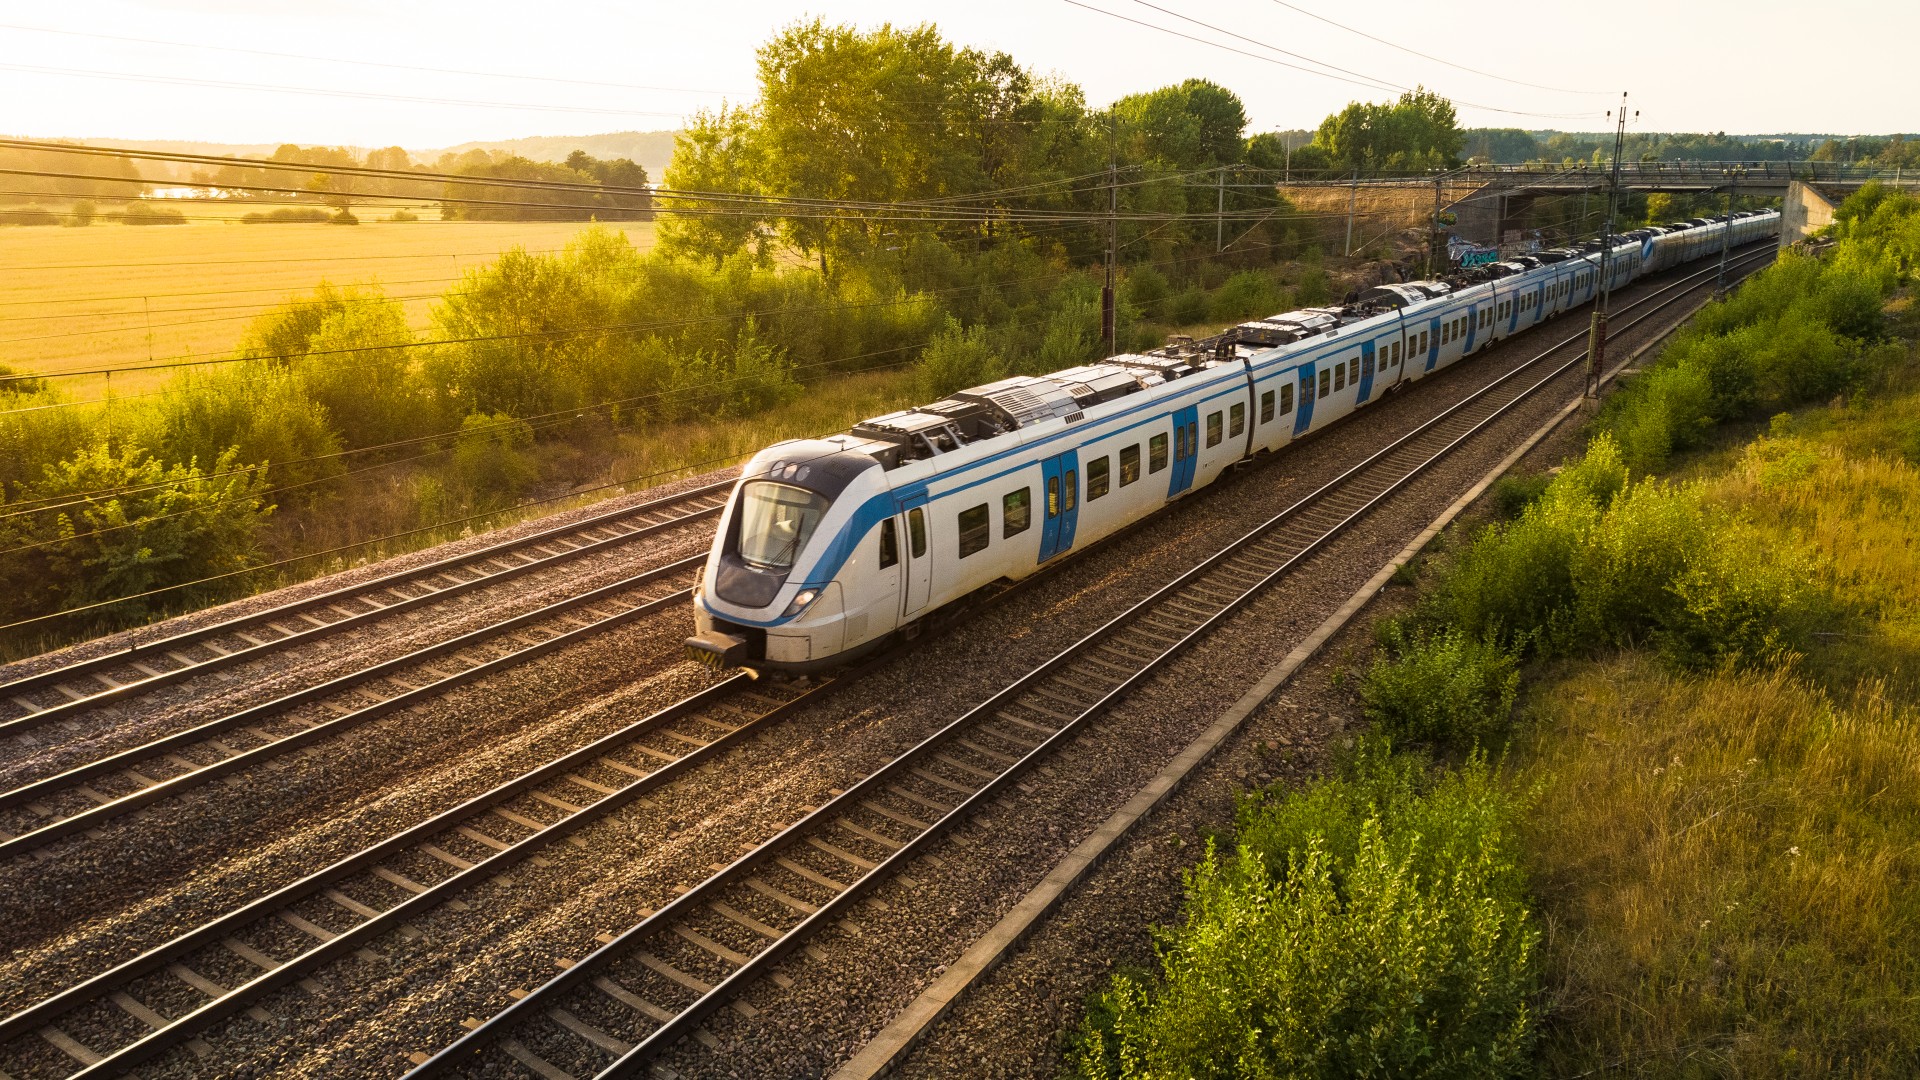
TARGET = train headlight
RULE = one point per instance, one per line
(800, 601)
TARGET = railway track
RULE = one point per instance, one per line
(646, 988)
(83, 797)
(59, 695)
(642, 991)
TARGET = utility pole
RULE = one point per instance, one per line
(1726, 238)
(1433, 237)
(1353, 197)
(1220, 214)
(1107, 335)
(1597, 337)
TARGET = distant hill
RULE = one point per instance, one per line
(652, 149)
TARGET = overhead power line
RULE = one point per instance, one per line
(1435, 59)
(365, 63)
(1370, 83)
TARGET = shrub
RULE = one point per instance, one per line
(32, 214)
(81, 215)
(1363, 927)
(1188, 307)
(1148, 290)
(403, 215)
(164, 524)
(1513, 494)
(146, 213)
(1445, 687)
(1245, 295)
(287, 215)
(957, 359)
(343, 217)
(491, 457)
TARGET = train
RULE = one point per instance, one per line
(830, 548)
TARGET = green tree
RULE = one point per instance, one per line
(716, 152)
(1419, 131)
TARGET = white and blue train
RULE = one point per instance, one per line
(829, 547)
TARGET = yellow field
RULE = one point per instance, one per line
(109, 295)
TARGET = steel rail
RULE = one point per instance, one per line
(89, 671)
(601, 801)
(677, 915)
(411, 695)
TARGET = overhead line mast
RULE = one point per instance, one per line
(1597, 337)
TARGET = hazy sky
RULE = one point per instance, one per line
(1690, 65)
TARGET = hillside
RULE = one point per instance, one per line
(651, 149)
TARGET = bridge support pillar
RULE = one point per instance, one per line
(1804, 210)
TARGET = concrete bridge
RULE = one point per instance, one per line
(1488, 199)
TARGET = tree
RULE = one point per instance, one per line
(1419, 131)
(1193, 124)
(717, 152)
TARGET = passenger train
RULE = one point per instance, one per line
(829, 547)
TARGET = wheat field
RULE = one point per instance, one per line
(109, 295)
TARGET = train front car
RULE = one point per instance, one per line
(771, 595)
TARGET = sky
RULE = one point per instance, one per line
(575, 67)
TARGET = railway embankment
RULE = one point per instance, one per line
(1619, 776)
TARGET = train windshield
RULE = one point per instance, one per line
(776, 520)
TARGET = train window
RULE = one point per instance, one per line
(1072, 487)
(1286, 398)
(889, 544)
(1053, 496)
(1353, 370)
(1016, 512)
(1236, 418)
(1396, 353)
(1266, 407)
(1156, 453)
(1326, 382)
(1129, 464)
(974, 525)
(1180, 441)
(1213, 429)
(1099, 477)
(917, 532)
(1339, 376)
(1423, 341)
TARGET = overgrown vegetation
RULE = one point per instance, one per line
(1372, 925)
(1718, 760)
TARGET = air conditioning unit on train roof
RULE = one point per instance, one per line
(1023, 400)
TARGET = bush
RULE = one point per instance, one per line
(957, 359)
(81, 215)
(1363, 928)
(165, 524)
(1247, 294)
(403, 215)
(343, 217)
(146, 213)
(1513, 494)
(32, 214)
(288, 215)
(492, 458)
(1188, 307)
(1148, 290)
(1445, 688)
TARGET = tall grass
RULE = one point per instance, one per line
(1728, 871)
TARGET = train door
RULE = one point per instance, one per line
(917, 553)
(1366, 372)
(1186, 449)
(1061, 484)
(1303, 419)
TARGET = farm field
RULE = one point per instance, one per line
(114, 295)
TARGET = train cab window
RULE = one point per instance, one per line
(1072, 488)
(1099, 477)
(1266, 407)
(917, 532)
(1016, 512)
(1326, 382)
(1339, 376)
(776, 521)
(1156, 453)
(1213, 429)
(1286, 398)
(1236, 418)
(1129, 464)
(889, 544)
(974, 525)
